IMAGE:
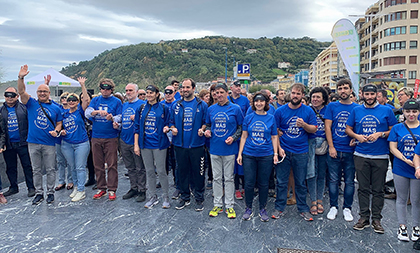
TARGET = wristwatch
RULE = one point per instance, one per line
(383, 135)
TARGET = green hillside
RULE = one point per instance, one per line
(159, 63)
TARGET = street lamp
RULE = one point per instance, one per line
(225, 48)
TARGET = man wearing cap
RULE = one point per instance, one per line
(296, 121)
(44, 126)
(15, 119)
(370, 125)
(103, 111)
(187, 123)
(223, 127)
(133, 162)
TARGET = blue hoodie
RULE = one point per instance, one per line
(199, 119)
(162, 120)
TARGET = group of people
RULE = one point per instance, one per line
(256, 142)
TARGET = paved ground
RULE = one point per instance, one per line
(126, 226)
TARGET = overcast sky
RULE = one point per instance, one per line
(54, 33)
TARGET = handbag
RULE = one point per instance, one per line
(321, 146)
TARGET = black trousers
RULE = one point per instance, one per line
(10, 157)
(190, 171)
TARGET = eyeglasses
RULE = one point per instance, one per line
(10, 94)
(401, 94)
(128, 90)
(42, 91)
(168, 91)
(142, 94)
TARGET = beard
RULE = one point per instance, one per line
(296, 103)
(344, 96)
(370, 104)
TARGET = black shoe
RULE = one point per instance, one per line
(90, 182)
(199, 206)
(131, 193)
(95, 187)
(181, 204)
(38, 199)
(158, 185)
(31, 192)
(50, 198)
(141, 197)
(10, 192)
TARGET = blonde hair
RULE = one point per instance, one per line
(64, 95)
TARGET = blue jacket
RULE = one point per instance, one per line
(177, 120)
(140, 120)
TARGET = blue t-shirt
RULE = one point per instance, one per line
(260, 128)
(338, 113)
(74, 125)
(390, 106)
(271, 111)
(406, 146)
(12, 124)
(127, 125)
(366, 121)
(101, 127)
(169, 105)
(294, 139)
(224, 121)
(320, 131)
(39, 124)
(189, 108)
(151, 137)
(177, 96)
(242, 101)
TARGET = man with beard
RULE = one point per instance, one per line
(295, 121)
(370, 125)
(188, 123)
(280, 94)
(340, 158)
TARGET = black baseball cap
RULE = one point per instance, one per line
(369, 88)
(411, 104)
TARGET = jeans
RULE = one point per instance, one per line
(343, 164)
(299, 163)
(253, 166)
(316, 184)
(61, 167)
(10, 157)
(76, 156)
(43, 156)
(223, 166)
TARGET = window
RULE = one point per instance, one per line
(414, 14)
(395, 31)
(414, 1)
(413, 60)
(413, 29)
(394, 60)
(413, 44)
(394, 46)
(412, 74)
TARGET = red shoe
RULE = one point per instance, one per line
(111, 195)
(238, 194)
(99, 194)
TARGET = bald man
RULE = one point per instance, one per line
(44, 126)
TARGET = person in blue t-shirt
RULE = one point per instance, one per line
(187, 124)
(177, 94)
(103, 111)
(258, 151)
(317, 165)
(370, 125)
(45, 124)
(340, 153)
(402, 144)
(296, 121)
(150, 140)
(224, 127)
(75, 144)
(133, 163)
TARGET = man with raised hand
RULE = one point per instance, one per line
(133, 162)
(370, 125)
(45, 124)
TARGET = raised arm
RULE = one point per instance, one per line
(24, 96)
(86, 99)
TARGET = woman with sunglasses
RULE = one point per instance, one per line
(149, 137)
(403, 139)
(75, 144)
(258, 151)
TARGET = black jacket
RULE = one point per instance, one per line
(22, 117)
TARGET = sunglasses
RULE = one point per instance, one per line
(10, 94)
(142, 94)
(168, 91)
(105, 86)
(72, 99)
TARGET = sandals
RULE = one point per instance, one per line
(314, 209)
(60, 187)
(69, 187)
(320, 207)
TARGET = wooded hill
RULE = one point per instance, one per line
(159, 63)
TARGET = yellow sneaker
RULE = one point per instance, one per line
(231, 213)
(215, 211)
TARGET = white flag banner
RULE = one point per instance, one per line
(347, 41)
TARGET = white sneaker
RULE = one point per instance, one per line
(79, 196)
(347, 214)
(73, 193)
(332, 214)
(403, 234)
(415, 234)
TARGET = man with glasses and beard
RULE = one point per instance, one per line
(296, 121)
(103, 111)
(370, 125)
(15, 119)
